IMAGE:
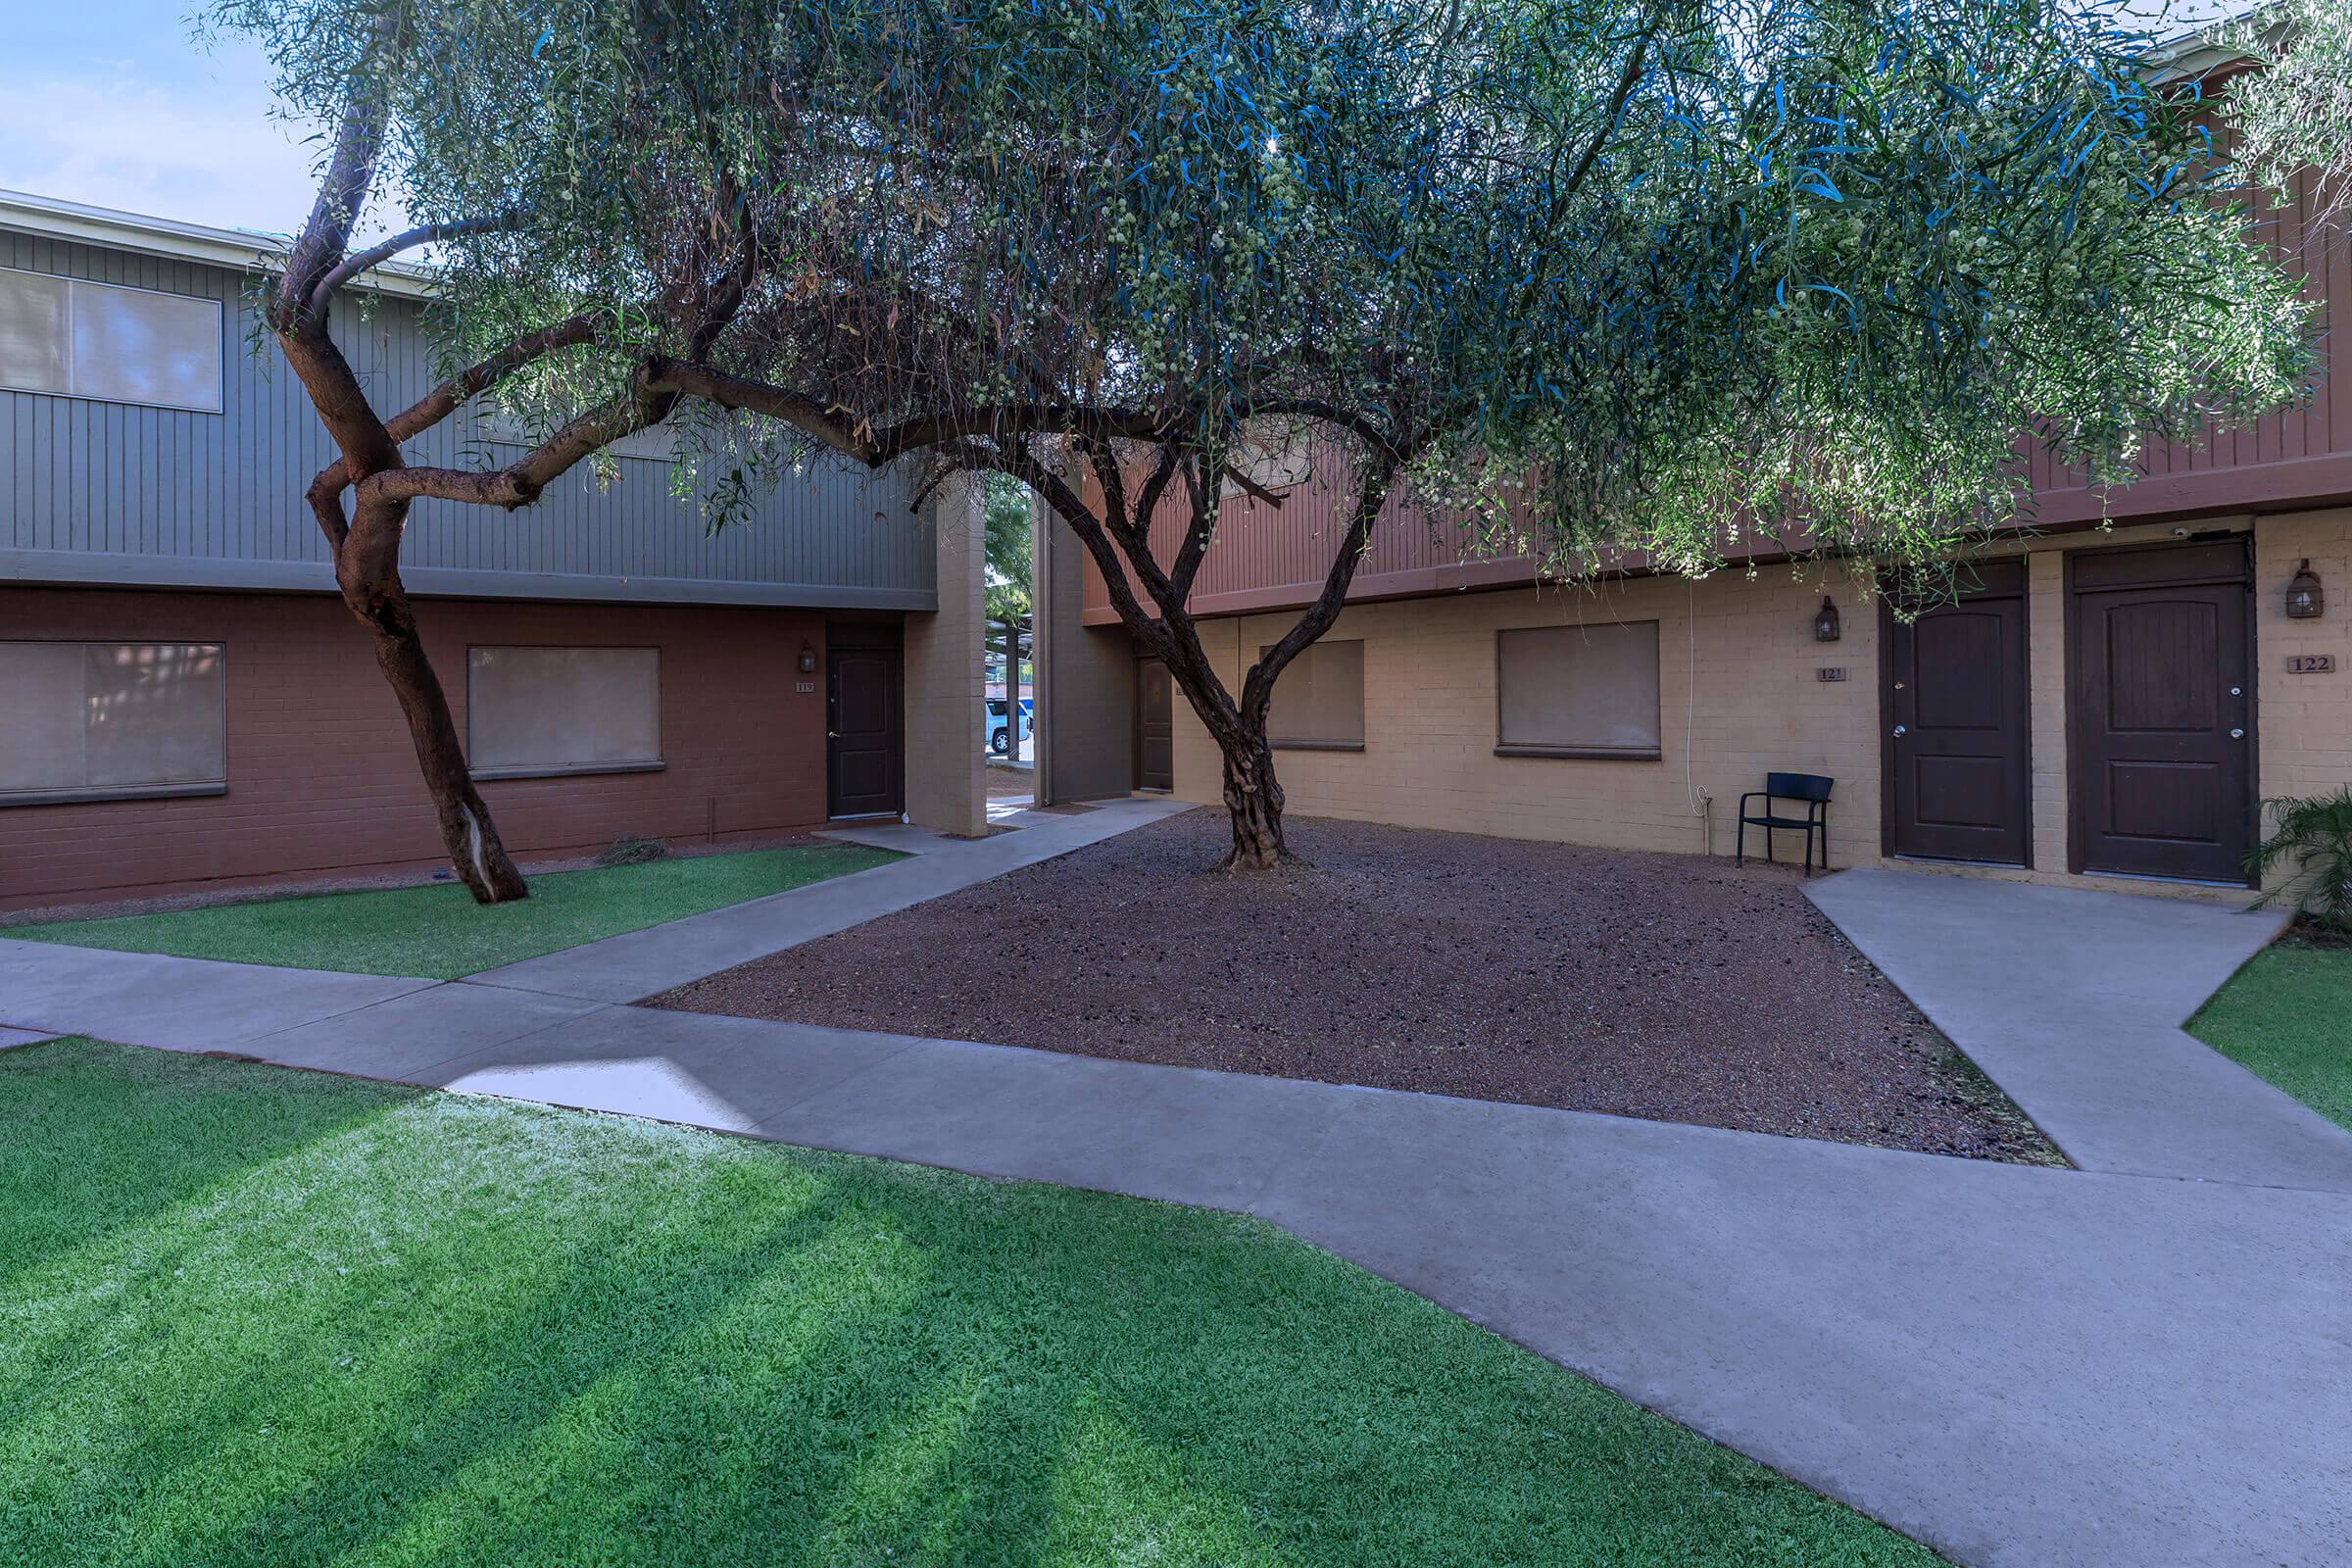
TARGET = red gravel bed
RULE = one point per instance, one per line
(1668, 987)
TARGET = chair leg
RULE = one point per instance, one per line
(1740, 852)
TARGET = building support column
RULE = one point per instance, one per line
(947, 783)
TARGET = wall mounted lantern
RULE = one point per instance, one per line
(808, 659)
(2304, 599)
(1826, 628)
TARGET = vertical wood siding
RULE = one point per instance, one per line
(77, 475)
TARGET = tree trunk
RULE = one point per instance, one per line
(1253, 801)
(475, 852)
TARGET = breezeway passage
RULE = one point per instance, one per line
(2014, 1365)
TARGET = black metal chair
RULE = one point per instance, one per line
(1809, 788)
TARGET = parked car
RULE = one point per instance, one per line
(998, 741)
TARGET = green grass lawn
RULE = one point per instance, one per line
(258, 1316)
(2288, 1018)
(438, 932)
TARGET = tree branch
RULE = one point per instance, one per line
(445, 400)
(1257, 689)
(351, 267)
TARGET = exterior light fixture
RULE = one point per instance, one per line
(2305, 600)
(1826, 627)
(807, 657)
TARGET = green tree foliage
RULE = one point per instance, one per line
(2294, 111)
(1005, 510)
(1572, 278)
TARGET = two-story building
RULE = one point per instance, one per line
(185, 702)
(2122, 687)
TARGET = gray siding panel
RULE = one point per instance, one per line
(97, 491)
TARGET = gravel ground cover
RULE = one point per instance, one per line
(1666, 987)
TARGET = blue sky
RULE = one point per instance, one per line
(109, 102)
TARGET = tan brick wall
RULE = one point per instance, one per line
(2306, 720)
(946, 787)
(322, 776)
(1750, 703)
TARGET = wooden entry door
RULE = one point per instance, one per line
(1155, 726)
(865, 740)
(1958, 752)
(2161, 710)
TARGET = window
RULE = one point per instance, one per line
(1320, 702)
(1578, 691)
(96, 722)
(118, 345)
(533, 712)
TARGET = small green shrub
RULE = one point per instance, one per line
(2314, 837)
(633, 852)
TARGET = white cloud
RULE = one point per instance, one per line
(200, 148)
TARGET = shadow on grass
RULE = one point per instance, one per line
(425, 1329)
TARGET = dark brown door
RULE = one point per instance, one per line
(1958, 750)
(1155, 726)
(2161, 710)
(866, 767)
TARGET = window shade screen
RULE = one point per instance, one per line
(97, 340)
(1320, 698)
(563, 710)
(1580, 688)
(33, 332)
(101, 719)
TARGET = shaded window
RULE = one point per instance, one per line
(118, 345)
(1578, 691)
(111, 720)
(531, 711)
(1319, 700)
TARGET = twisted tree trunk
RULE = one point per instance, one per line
(1253, 802)
(1119, 538)
(476, 853)
(366, 546)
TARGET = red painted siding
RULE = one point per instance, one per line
(1264, 559)
(321, 777)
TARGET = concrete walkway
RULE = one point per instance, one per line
(2015, 1366)
(644, 964)
(2073, 1001)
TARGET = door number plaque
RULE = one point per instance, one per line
(2311, 664)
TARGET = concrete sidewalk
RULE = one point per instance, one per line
(2073, 1001)
(644, 964)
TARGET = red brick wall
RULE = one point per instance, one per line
(321, 775)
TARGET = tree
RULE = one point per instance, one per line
(1571, 277)
(2293, 111)
(1004, 513)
